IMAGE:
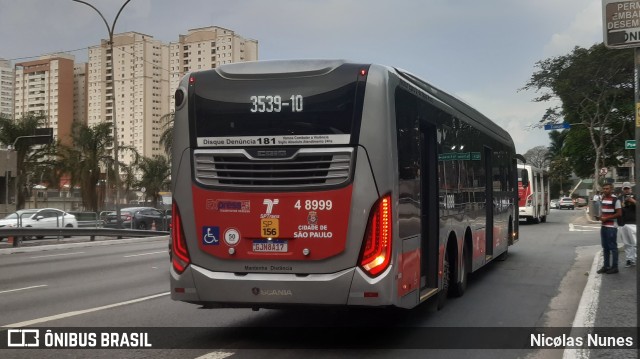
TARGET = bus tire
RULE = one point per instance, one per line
(458, 289)
(503, 256)
(446, 280)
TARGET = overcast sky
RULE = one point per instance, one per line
(481, 51)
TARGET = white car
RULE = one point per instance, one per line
(40, 218)
(566, 202)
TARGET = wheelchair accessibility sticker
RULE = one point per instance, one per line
(211, 236)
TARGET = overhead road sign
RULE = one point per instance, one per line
(630, 144)
(621, 20)
(557, 126)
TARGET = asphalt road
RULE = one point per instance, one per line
(126, 286)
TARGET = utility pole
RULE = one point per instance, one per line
(116, 165)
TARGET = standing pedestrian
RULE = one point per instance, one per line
(628, 231)
(610, 210)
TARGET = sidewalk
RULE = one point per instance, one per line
(608, 301)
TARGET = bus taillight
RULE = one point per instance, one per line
(180, 253)
(376, 252)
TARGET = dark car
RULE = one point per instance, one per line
(581, 202)
(144, 218)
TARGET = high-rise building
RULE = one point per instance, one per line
(141, 83)
(206, 48)
(80, 97)
(146, 73)
(7, 79)
(45, 86)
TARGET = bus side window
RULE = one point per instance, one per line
(525, 177)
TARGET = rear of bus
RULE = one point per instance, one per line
(276, 201)
(525, 194)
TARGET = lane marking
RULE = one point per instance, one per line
(216, 355)
(25, 288)
(80, 312)
(572, 228)
(587, 308)
(144, 254)
(56, 255)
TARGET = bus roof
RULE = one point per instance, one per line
(274, 68)
(458, 105)
(313, 67)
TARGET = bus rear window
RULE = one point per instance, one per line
(285, 111)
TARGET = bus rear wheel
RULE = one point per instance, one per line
(458, 289)
(446, 279)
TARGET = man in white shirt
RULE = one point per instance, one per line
(628, 231)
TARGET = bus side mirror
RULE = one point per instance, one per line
(525, 177)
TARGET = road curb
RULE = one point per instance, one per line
(109, 242)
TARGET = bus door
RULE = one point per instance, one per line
(488, 170)
(429, 207)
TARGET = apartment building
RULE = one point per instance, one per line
(45, 86)
(7, 79)
(80, 94)
(206, 48)
(139, 80)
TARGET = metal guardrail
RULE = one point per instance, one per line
(91, 224)
(52, 232)
(18, 232)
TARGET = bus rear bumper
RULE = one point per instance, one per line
(210, 289)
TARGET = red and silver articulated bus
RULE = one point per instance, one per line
(325, 182)
(534, 193)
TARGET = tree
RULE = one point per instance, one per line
(166, 138)
(129, 180)
(49, 167)
(83, 160)
(556, 143)
(90, 150)
(27, 156)
(559, 167)
(596, 90)
(560, 174)
(155, 176)
(538, 157)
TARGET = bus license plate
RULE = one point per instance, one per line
(275, 246)
(270, 227)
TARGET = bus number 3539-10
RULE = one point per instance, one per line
(274, 103)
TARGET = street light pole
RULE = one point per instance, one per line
(116, 166)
